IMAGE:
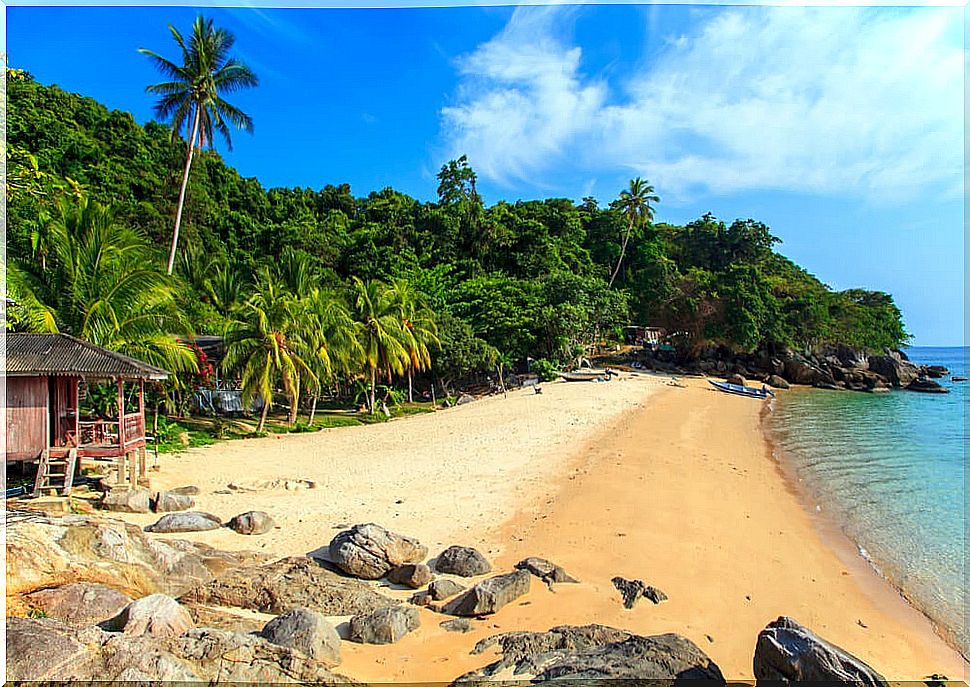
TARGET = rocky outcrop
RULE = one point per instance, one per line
(412, 575)
(193, 521)
(894, 368)
(308, 632)
(289, 583)
(252, 522)
(127, 501)
(926, 386)
(463, 561)
(490, 595)
(787, 652)
(595, 652)
(384, 626)
(369, 551)
(155, 615)
(169, 502)
(547, 571)
(79, 604)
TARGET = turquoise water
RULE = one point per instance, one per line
(890, 470)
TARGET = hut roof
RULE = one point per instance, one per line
(31, 355)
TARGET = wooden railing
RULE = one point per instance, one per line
(105, 432)
(134, 428)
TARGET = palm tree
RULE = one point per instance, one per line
(418, 329)
(380, 334)
(192, 98)
(634, 204)
(265, 345)
(331, 338)
(100, 284)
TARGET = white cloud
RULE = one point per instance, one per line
(859, 101)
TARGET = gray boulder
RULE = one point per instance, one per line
(127, 501)
(156, 615)
(79, 604)
(411, 575)
(777, 382)
(464, 398)
(490, 595)
(442, 589)
(385, 625)
(633, 590)
(800, 371)
(595, 652)
(787, 652)
(463, 561)
(926, 386)
(306, 631)
(736, 379)
(296, 582)
(897, 371)
(462, 625)
(168, 502)
(192, 521)
(369, 551)
(252, 522)
(547, 571)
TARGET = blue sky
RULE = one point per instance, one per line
(840, 127)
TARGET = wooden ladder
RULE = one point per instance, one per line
(49, 474)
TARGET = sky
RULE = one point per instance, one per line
(842, 128)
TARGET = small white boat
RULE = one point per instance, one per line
(750, 392)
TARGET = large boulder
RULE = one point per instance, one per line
(294, 582)
(894, 368)
(252, 522)
(156, 615)
(927, 386)
(170, 502)
(595, 652)
(490, 595)
(44, 649)
(79, 604)
(307, 631)
(413, 575)
(777, 382)
(547, 571)
(369, 551)
(193, 521)
(384, 626)
(127, 501)
(800, 371)
(463, 561)
(787, 652)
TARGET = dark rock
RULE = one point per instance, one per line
(777, 382)
(252, 522)
(370, 552)
(192, 521)
(490, 595)
(457, 625)
(926, 386)
(442, 589)
(800, 371)
(787, 652)
(289, 583)
(412, 575)
(127, 501)
(463, 561)
(384, 626)
(955, 378)
(595, 652)
(632, 590)
(547, 571)
(736, 379)
(306, 631)
(826, 385)
(156, 615)
(189, 490)
(898, 371)
(168, 502)
(79, 604)
(936, 371)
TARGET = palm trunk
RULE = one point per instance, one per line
(373, 389)
(185, 184)
(619, 262)
(262, 415)
(313, 409)
(410, 387)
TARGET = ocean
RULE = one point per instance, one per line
(889, 469)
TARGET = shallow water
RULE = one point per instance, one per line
(890, 470)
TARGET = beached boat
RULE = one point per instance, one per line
(750, 392)
(586, 375)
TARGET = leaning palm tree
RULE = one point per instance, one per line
(331, 336)
(192, 98)
(380, 334)
(634, 204)
(418, 329)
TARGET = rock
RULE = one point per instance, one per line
(192, 521)
(442, 589)
(777, 382)
(79, 604)
(897, 371)
(189, 490)
(222, 619)
(297, 582)
(800, 371)
(252, 522)
(384, 626)
(547, 571)
(595, 652)
(654, 595)
(421, 599)
(370, 552)
(826, 385)
(411, 575)
(936, 371)
(736, 379)
(632, 590)
(926, 386)
(156, 615)
(463, 399)
(457, 625)
(44, 649)
(129, 501)
(463, 561)
(956, 378)
(306, 631)
(490, 595)
(787, 652)
(167, 502)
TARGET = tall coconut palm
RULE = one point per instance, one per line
(418, 329)
(266, 346)
(634, 204)
(193, 96)
(331, 338)
(378, 317)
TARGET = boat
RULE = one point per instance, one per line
(586, 375)
(750, 392)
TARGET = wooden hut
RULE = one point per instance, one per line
(44, 374)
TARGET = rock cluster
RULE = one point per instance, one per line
(369, 551)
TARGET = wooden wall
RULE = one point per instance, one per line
(27, 417)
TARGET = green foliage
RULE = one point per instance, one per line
(544, 370)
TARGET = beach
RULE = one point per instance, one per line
(673, 485)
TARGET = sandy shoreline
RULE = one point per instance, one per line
(674, 486)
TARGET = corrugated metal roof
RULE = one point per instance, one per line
(62, 354)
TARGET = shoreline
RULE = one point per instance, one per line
(833, 534)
